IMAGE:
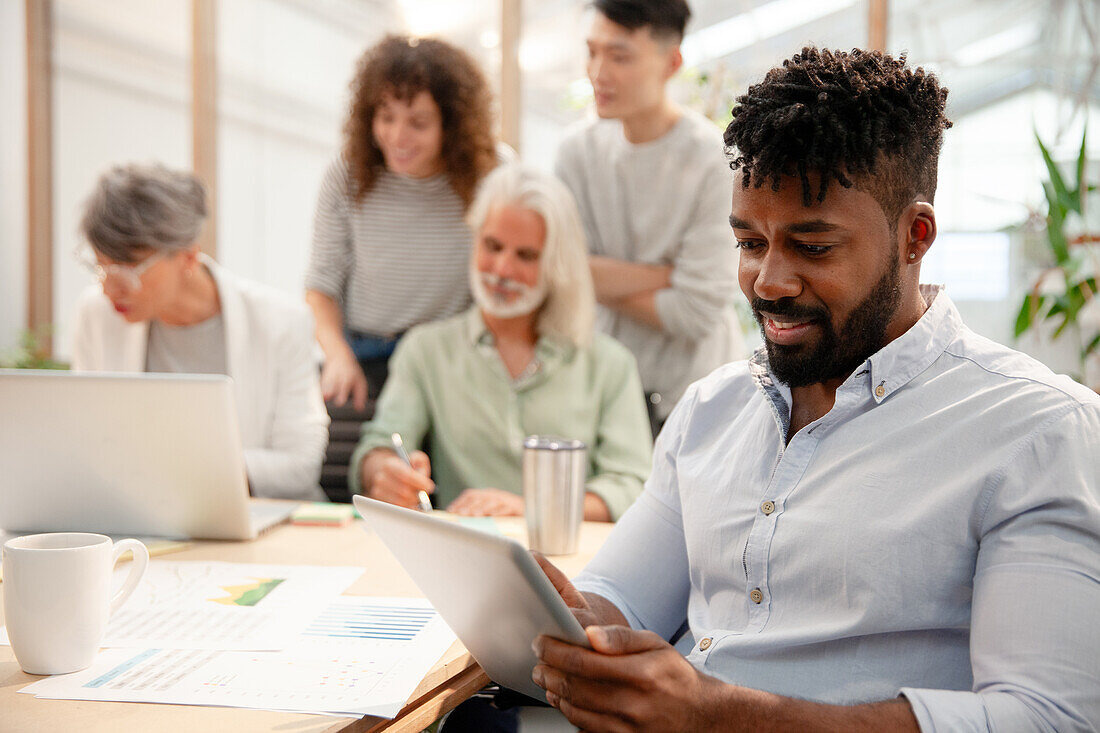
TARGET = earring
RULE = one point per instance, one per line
(912, 255)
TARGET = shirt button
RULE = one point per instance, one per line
(704, 644)
(880, 391)
(767, 507)
(756, 595)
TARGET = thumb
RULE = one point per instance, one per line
(622, 640)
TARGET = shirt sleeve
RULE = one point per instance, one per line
(289, 467)
(1034, 637)
(331, 256)
(402, 408)
(642, 568)
(703, 284)
(621, 456)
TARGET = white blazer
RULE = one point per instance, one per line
(270, 357)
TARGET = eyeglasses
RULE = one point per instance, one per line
(128, 276)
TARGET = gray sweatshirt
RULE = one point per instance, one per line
(663, 202)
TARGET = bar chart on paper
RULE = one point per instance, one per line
(224, 606)
(370, 621)
(359, 656)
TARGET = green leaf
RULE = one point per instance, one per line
(1061, 327)
(1092, 346)
(1082, 156)
(1070, 300)
(1062, 194)
(1027, 313)
(1053, 208)
(1058, 243)
(1067, 306)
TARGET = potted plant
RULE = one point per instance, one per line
(1063, 296)
(30, 354)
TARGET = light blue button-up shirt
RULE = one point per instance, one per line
(936, 534)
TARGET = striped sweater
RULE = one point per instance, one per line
(395, 259)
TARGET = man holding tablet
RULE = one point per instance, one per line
(882, 521)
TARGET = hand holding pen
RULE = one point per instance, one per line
(425, 504)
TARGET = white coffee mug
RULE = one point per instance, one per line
(57, 596)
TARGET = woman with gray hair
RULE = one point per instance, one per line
(163, 306)
(524, 360)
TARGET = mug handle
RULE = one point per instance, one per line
(137, 569)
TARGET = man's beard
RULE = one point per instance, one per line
(834, 356)
(527, 298)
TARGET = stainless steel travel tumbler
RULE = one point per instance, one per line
(554, 472)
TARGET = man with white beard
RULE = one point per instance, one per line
(524, 360)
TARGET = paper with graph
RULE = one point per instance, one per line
(224, 606)
(357, 656)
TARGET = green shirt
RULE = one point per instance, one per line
(448, 384)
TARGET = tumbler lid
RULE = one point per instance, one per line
(552, 442)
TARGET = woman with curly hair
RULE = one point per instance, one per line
(390, 245)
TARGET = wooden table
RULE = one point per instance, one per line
(453, 679)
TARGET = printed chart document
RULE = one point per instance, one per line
(223, 606)
(358, 656)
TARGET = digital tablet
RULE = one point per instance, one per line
(488, 589)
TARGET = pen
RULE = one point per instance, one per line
(399, 449)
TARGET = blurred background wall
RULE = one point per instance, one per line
(121, 91)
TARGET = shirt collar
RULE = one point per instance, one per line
(476, 330)
(548, 351)
(894, 365)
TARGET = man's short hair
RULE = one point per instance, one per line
(863, 119)
(666, 19)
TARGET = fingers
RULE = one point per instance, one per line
(563, 586)
(398, 495)
(422, 465)
(395, 470)
(609, 692)
(587, 721)
(342, 378)
(584, 617)
(467, 506)
(486, 503)
(621, 666)
(396, 483)
(583, 694)
(330, 386)
(623, 640)
(636, 681)
(461, 504)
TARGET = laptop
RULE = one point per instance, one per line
(125, 454)
(488, 589)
